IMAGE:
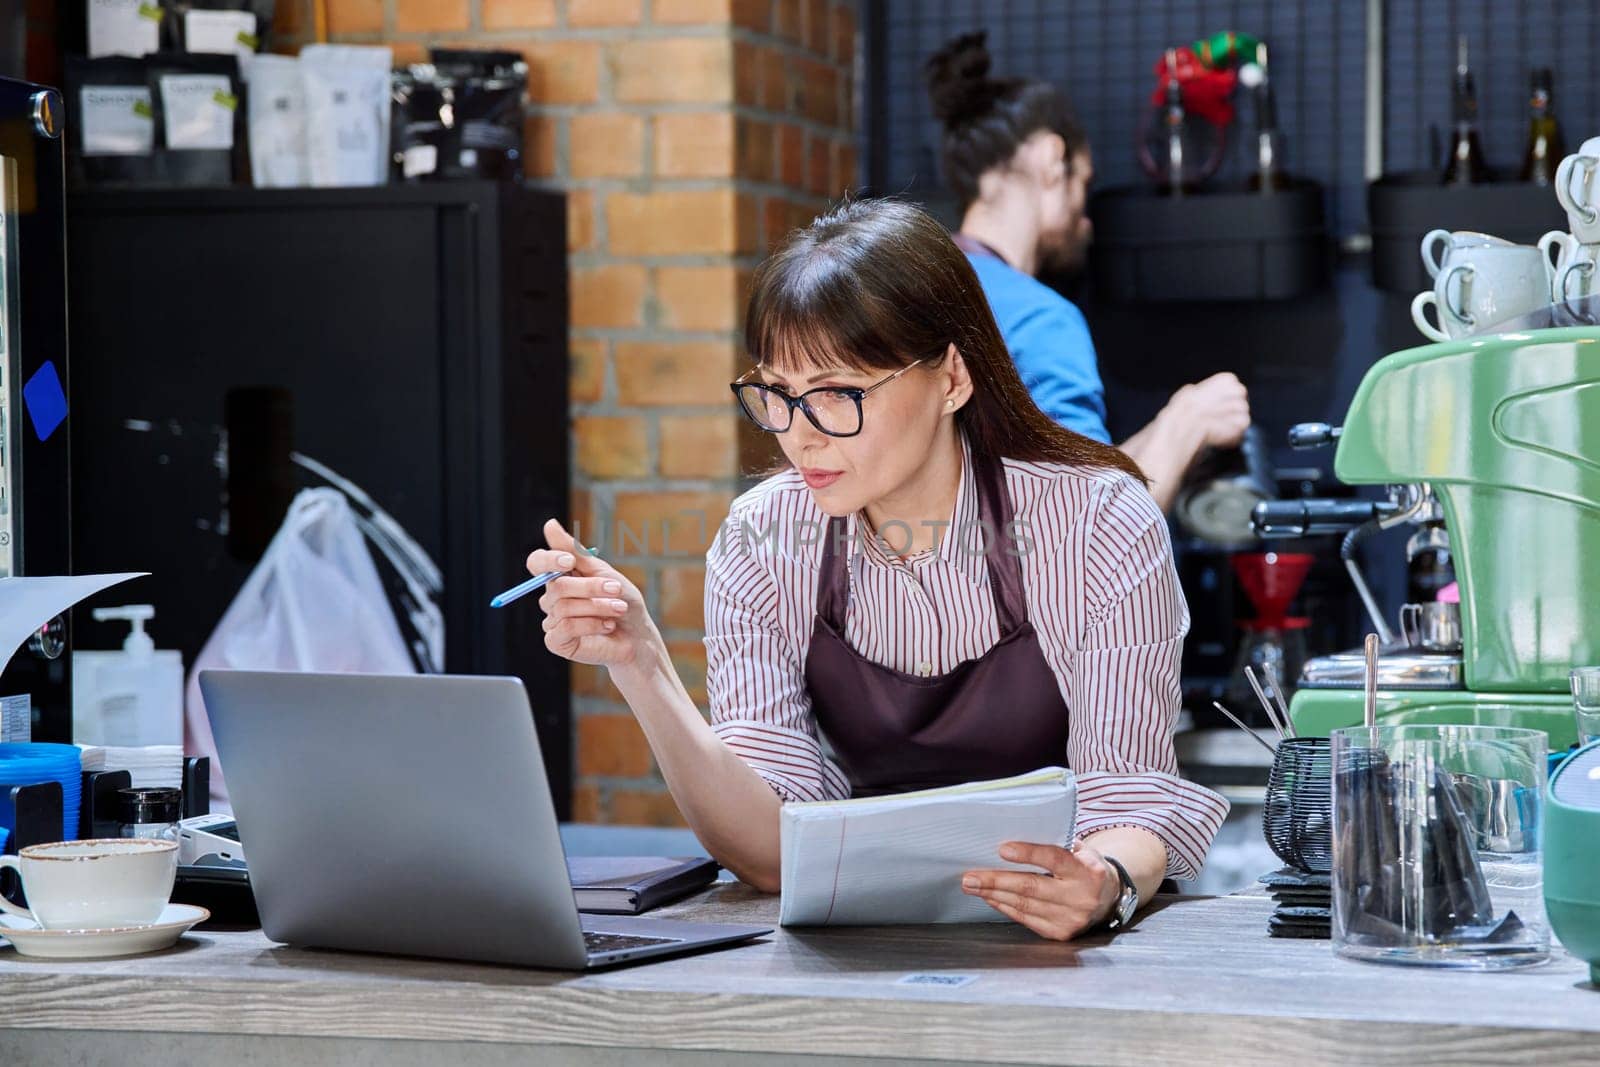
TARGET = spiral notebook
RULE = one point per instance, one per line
(899, 859)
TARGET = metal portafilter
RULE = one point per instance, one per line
(1226, 485)
(1311, 516)
(1304, 435)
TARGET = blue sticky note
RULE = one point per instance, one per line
(46, 400)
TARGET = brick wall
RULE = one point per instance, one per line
(689, 135)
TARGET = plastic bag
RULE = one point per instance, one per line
(347, 113)
(113, 140)
(276, 100)
(122, 27)
(315, 602)
(225, 27)
(199, 126)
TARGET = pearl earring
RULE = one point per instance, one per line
(949, 403)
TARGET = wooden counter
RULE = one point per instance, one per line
(1197, 980)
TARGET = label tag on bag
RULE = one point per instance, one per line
(196, 117)
(123, 28)
(16, 719)
(116, 120)
(219, 32)
(420, 159)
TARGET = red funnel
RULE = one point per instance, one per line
(1271, 580)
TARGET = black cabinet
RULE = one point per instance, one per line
(415, 335)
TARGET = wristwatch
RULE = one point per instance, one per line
(1127, 900)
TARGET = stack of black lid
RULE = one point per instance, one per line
(1305, 903)
(1297, 820)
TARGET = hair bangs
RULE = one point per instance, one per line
(806, 315)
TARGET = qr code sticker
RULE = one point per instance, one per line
(947, 981)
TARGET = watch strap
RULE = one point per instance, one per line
(1121, 913)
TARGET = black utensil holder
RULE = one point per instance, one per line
(38, 821)
(1209, 246)
(1297, 815)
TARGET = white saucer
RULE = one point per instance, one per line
(173, 922)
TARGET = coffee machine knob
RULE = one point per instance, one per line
(50, 640)
(47, 113)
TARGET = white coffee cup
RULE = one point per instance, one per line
(1488, 284)
(1442, 248)
(81, 885)
(1578, 189)
(1563, 243)
(1577, 272)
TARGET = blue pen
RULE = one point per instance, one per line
(532, 585)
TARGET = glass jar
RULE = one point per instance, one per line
(1436, 845)
(151, 812)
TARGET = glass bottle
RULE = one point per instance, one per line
(1175, 134)
(1268, 173)
(1465, 165)
(151, 812)
(1546, 146)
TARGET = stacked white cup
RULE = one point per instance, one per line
(1479, 280)
(1576, 273)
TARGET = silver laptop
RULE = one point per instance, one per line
(412, 815)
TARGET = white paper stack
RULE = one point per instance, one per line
(26, 604)
(151, 766)
(899, 859)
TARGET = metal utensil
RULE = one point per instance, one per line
(1433, 627)
(1266, 705)
(1370, 711)
(1277, 694)
(1240, 724)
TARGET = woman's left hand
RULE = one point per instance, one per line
(1077, 890)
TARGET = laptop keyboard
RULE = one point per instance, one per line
(597, 942)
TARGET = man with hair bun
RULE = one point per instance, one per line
(1020, 164)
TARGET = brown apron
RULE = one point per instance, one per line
(991, 717)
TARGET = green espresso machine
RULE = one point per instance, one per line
(1499, 435)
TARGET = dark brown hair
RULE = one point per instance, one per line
(987, 119)
(874, 285)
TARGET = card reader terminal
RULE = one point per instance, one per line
(210, 841)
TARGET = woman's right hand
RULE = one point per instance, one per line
(592, 614)
(1218, 408)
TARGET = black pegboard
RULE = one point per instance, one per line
(1102, 53)
(1507, 40)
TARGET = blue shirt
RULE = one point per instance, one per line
(1049, 342)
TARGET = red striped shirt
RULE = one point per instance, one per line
(1101, 592)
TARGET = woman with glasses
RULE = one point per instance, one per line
(944, 584)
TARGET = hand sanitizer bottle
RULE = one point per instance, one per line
(133, 697)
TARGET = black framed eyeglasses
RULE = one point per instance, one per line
(835, 410)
